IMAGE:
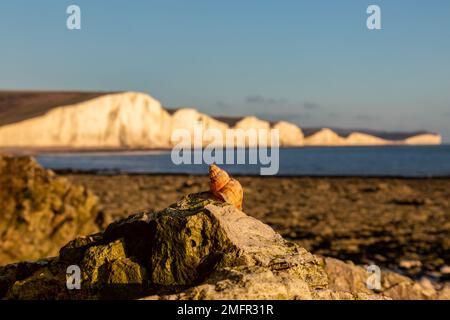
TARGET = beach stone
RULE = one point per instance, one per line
(445, 270)
(408, 264)
(348, 277)
(40, 212)
(198, 248)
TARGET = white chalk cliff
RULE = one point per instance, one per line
(136, 120)
(290, 134)
(361, 139)
(324, 137)
(113, 120)
(191, 121)
(424, 139)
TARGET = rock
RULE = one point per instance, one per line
(348, 277)
(324, 137)
(445, 270)
(424, 139)
(137, 120)
(409, 264)
(198, 248)
(191, 120)
(126, 119)
(260, 126)
(290, 134)
(364, 139)
(40, 212)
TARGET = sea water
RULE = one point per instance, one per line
(397, 161)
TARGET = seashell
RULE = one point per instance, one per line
(232, 193)
(224, 187)
(218, 178)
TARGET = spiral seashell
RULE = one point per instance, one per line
(224, 187)
(232, 193)
(218, 178)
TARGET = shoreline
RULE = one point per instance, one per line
(109, 150)
(117, 172)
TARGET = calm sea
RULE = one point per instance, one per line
(399, 161)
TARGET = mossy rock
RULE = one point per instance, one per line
(40, 212)
(198, 248)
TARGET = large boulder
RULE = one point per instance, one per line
(198, 248)
(40, 212)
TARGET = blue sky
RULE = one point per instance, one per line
(312, 62)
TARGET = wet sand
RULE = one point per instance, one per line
(400, 224)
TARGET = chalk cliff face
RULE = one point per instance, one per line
(358, 138)
(290, 134)
(324, 137)
(115, 120)
(424, 139)
(191, 120)
(136, 120)
(252, 123)
(261, 131)
(327, 137)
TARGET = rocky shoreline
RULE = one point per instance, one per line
(197, 248)
(399, 224)
(165, 238)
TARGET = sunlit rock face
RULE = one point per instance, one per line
(424, 139)
(114, 120)
(203, 129)
(252, 123)
(363, 139)
(259, 127)
(290, 134)
(324, 137)
(327, 137)
(136, 120)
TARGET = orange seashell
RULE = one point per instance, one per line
(218, 178)
(225, 188)
(232, 193)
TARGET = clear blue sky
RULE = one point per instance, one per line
(312, 62)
